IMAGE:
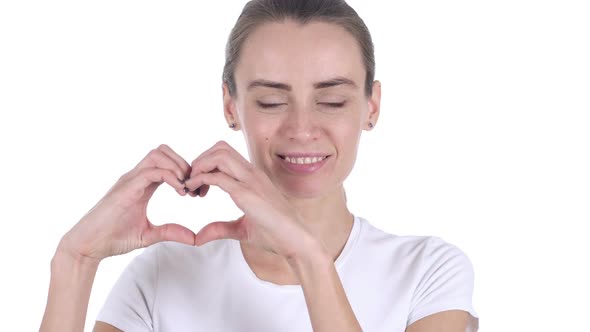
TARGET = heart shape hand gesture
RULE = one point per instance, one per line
(118, 223)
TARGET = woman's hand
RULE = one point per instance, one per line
(118, 223)
(269, 221)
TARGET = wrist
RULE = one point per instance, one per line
(72, 276)
(66, 257)
(311, 251)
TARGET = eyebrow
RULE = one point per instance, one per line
(319, 85)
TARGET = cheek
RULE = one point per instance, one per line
(261, 131)
(255, 125)
(348, 131)
(348, 137)
(259, 134)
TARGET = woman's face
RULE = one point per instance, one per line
(300, 98)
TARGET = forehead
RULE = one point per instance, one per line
(299, 54)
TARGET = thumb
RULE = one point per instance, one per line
(219, 230)
(168, 232)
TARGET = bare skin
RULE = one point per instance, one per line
(294, 226)
(117, 224)
(303, 121)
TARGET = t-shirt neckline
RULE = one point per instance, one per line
(349, 245)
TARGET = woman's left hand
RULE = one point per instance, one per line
(269, 222)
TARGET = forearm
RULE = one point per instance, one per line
(69, 293)
(327, 304)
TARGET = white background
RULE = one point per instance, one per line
(483, 138)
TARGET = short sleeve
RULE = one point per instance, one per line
(446, 283)
(129, 305)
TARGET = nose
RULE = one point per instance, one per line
(301, 126)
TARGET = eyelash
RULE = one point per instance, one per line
(335, 105)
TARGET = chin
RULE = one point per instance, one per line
(303, 189)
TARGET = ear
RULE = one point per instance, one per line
(229, 108)
(374, 106)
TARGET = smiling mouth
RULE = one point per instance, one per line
(304, 160)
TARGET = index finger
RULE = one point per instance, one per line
(220, 145)
(184, 166)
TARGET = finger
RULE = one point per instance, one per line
(221, 149)
(220, 230)
(183, 164)
(203, 190)
(157, 176)
(168, 232)
(200, 191)
(158, 159)
(220, 161)
(220, 179)
(224, 161)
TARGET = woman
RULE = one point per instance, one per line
(298, 82)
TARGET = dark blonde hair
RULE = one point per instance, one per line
(257, 12)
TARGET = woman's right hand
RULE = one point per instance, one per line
(118, 223)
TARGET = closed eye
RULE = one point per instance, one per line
(334, 104)
(263, 105)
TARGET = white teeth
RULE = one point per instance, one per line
(304, 160)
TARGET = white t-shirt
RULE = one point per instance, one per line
(390, 282)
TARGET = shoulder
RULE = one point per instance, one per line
(425, 259)
(445, 281)
(436, 260)
(426, 249)
(408, 247)
(439, 253)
